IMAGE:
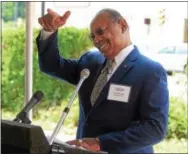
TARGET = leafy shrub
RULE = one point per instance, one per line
(13, 68)
(72, 43)
(177, 124)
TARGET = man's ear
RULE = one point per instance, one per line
(124, 25)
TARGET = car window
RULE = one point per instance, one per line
(167, 50)
(181, 50)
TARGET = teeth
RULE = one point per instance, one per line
(102, 46)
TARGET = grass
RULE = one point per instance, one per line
(172, 146)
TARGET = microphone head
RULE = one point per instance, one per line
(84, 73)
(38, 95)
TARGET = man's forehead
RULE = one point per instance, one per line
(100, 19)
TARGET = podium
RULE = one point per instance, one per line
(20, 138)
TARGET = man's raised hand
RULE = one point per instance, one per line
(52, 20)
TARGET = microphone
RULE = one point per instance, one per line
(83, 75)
(22, 116)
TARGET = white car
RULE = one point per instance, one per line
(173, 58)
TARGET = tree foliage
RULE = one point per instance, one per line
(178, 120)
(75, 42)
(13, 10)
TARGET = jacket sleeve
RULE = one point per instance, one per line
(152, 126)
(53, 64)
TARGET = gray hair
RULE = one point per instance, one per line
(113, 14)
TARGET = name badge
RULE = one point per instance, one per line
(119, 93)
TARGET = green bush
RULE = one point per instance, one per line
(72, 43)
(177, 124)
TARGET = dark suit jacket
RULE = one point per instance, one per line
(131, 127)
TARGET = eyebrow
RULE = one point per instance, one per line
(100, 28)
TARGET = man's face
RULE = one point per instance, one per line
(107, 35)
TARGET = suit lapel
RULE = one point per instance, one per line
(121, 72)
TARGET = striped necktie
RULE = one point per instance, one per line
(101, 81)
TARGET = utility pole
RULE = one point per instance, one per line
(42, 8)
(29, 55)
(147, 22)
(15, 11)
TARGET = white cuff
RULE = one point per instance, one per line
(45, 34)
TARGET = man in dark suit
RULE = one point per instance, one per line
(124, 102)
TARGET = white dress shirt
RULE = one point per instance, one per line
(120, 58)
(45, 34)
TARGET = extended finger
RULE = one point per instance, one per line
(51, 12)
(65, 16)
(85, 145)
(78, 142)
(73, 142)
(62, 20)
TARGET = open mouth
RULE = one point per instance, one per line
(103, 47)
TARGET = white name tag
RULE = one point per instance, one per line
(119, 93)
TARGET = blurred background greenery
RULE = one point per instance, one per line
(72, 42)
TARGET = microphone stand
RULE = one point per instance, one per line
(65, 112)
(22, 117)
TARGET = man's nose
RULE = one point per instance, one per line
(97, 39)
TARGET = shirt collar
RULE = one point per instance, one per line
(122, 55)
